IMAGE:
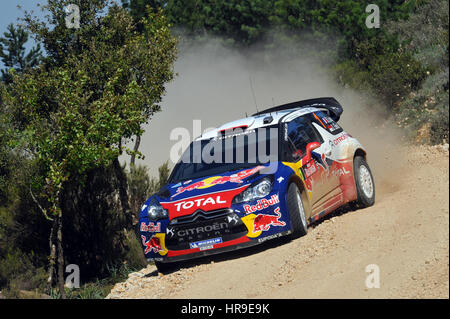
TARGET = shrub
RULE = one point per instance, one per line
(394, 75)
(425, 113)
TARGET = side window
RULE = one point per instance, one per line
(322, 119)
(301, 133)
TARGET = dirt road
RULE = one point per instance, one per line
(406, 234)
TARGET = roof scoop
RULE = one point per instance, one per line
(241, 124)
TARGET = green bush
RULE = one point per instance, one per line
(134, 257)
(394, 75)
(12, 264)
(17, 273)
(349, 74)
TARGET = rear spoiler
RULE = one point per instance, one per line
(333, 107)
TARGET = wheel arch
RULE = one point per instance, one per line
(360, 152)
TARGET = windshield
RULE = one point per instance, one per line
(229, 152)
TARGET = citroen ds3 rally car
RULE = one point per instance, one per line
(254, 179)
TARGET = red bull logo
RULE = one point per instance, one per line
(263, 222)
(153, 244)
(151, 227)
(216, 180)
(261, 204)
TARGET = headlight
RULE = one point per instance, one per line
(156, 211)
(261, 189)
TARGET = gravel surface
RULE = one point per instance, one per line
(406, 234)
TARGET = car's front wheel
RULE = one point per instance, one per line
(365, 186)
(299, 225)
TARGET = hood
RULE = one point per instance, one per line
(206, 193)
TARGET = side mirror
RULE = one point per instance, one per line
(309, 148)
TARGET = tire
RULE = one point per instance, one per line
(299, 224)
(365, 186)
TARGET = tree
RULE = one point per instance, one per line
(95, 89)
(12, 52)
(142, 186)
(245, 22)
(164, 172)
(5, 158)
(138, 7)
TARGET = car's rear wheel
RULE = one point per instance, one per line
(365, 186)
(299, 225)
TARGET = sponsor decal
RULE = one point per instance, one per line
(206, 244)
(170, 232)
(340, 172)
(200, 202)
(215, 180)
(261, 240)
(309, 169)
(153, 244)
(151, 227)
(144, 207)
(280, 179)
(211, 201)
(261, 204)
(202, 229)
(233, 218)
(263, 222)
(341, 138)
(330, 124)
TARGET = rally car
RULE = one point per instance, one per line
(258, 178)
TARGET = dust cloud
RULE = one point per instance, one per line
(214, 84)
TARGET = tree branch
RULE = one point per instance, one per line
(40, 207)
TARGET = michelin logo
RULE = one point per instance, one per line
(208, 244)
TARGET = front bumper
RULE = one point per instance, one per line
(204, 233)
(224, 249)
(203, 227)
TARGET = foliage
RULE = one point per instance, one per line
(246, 22)
(79, 112)
(95, 226)
(425, 34)
(164, 173)
(73, 115)
(142, 186)
(400, 70)
(17, 271)
(99, 288)
(6, 160)
(12, 52)
(138, 7)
